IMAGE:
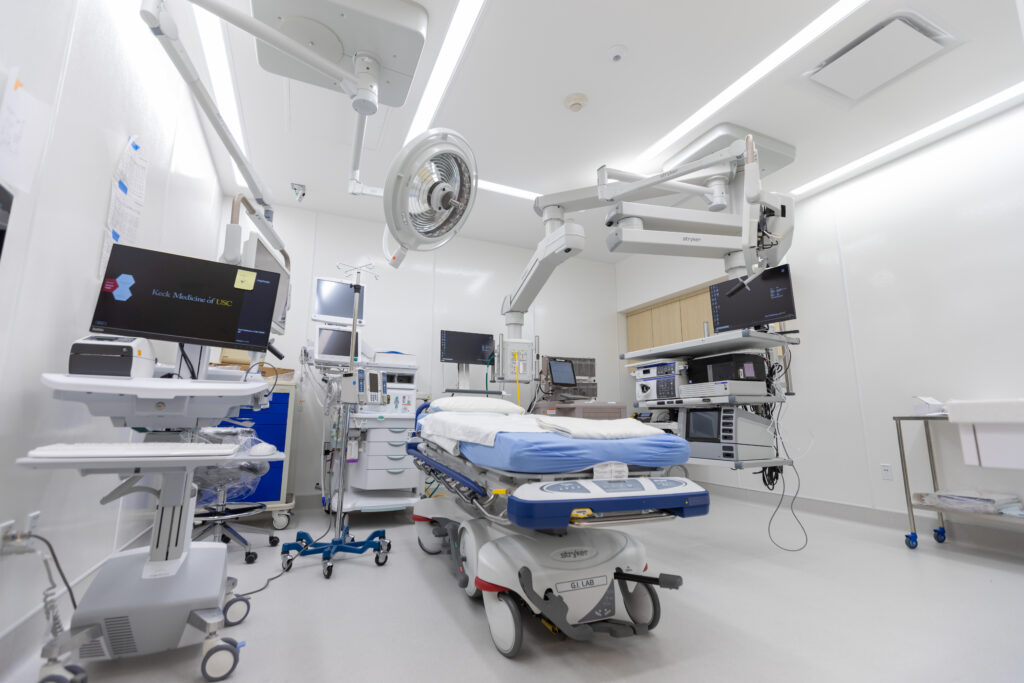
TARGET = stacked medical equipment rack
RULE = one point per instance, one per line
(724, 342)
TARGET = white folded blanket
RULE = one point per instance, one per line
(444, 428)
(582, 428)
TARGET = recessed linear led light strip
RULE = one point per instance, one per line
(459, 31)
(507, 189)
(814, 30)
(989, 106)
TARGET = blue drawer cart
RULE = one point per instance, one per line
(273, 425)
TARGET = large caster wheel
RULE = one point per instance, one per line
(286, 563)
(467, 551)
(250, 557)
(281, 520)
(910, 541)
(274, 540)
(642, 605)
(220, 661)
(428, 542)
(72, 673)
(380, 559)
(505, 622)
(939, 535)
(236, 610)
(328, 569)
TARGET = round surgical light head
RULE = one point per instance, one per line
(430, 190)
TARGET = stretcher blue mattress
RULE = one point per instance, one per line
(550, 453)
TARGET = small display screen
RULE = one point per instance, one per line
(335, 299)
(563, 374)
(175, 298)
(702, 425)
(335, 342)
(471, 348)
(617, 485)
(769, 299)
(373, 382)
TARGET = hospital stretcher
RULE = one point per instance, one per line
(522, 522)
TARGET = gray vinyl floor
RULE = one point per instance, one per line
(856, 605)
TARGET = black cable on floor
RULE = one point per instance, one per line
(792, 502)
(282, 572)
(60, 570)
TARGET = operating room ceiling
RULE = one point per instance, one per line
(525, 56)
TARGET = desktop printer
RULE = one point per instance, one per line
(100, 354)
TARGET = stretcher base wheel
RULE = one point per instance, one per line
(467, 552)
(505, 621)
(220, 660)
(643, 605)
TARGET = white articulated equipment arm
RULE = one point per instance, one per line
(160, 22)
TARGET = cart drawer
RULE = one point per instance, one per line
(389, 433)
(392, 478)
(390, 461)
(394, 447)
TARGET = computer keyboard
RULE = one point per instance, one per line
(133, 450)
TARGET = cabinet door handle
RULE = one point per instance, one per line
(396, 430)
(395, 457)
(396, 471)
(396, 443)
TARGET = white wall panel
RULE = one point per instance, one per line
(116, 81)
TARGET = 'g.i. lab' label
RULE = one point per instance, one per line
(580, 584)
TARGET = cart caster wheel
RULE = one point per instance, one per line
(328, 570)
(224, 538)
(274, 540)
(939, 535)
(427, 550)
(380, 559)
(286, 563)
(220, 661)
(505, 622)
(281, 520)
(236, 610)
(911, 541)
(250, 557)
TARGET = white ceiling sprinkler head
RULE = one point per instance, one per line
(575, 101)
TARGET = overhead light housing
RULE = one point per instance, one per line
(430, 190)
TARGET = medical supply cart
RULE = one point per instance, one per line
(273, 425)
(938, 533)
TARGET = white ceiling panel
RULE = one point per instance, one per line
(525, 56)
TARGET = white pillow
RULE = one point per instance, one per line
(476, 404)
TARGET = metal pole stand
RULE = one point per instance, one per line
(342, 542)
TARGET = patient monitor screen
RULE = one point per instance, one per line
(769, 300)
(335, 342)
(562, 373)
(334, 300)
(157, 295)
(471, 348)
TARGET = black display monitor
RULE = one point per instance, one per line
(157, 295)
(769, 299)
(562, 372)
(334, 344)
(471, 348)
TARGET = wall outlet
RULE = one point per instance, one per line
(887, 472)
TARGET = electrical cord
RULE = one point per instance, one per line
(188, 361)
(263, 362)
(282, 572)
(60, 570)
(792, 503)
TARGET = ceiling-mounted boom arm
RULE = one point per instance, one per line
(160, 22)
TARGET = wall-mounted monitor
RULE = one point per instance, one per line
(333, 301)
(266, 258)
(157, 295)
(471, 348)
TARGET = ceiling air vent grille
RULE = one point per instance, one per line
(881, 55)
